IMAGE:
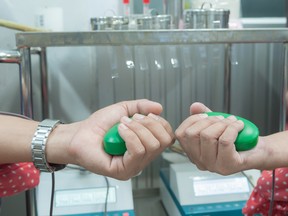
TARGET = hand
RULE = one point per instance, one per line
(146, 135)
(209, 141)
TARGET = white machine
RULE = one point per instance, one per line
(185, 190)
(82, 193)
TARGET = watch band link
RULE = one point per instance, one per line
(38, 146)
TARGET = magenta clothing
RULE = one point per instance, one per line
(17, 177)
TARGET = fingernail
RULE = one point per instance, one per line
(126, 119)
(138, 116)
(203, 115)
(123, 126)
(232, 117)
(153, 116)
(240, 122)
(220, 117)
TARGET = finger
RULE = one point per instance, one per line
(165, 124)
(133, 143)
(197, 107)
(209, 140)
(151, 133)
(142, 106)
(187, 123)
(191, 141)
(126, 108)
(229, 136)
(196, 129)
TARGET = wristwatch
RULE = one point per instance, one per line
(38, 146)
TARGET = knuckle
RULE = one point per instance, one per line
(205, 135)
(191, 133)
(224, 141)
(140, 151)
(155, 145)
(179, 133)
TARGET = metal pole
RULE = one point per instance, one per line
(44, 82)
(27, 110)
(283, 106)
(26, 83)
(10, 56)
(227, 79)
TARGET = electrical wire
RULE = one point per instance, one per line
(272, 195)
(52, 193)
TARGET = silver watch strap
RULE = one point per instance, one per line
(38, 146)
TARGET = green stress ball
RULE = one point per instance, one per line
(113, 143)
(247, 138)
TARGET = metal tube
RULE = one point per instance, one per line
(227, 78)
(26, 83)
(284, 91)
(152, 37)
(44, 83)
(27, 110)
(10, 56)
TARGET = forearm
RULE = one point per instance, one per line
(16, 135)
(15, 139)
(271, 152)
(278, 149)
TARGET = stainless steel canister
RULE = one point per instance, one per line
(119, 22)
(175, 9)
(210, 18)
(145, 22)
(195, 19)
(162, 21)
(99, 23)
(217, 18)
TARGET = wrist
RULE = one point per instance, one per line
(57, 149)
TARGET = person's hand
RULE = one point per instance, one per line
(146, 135)
(209, 142)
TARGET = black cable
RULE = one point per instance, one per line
(52, 193)
(272, 195)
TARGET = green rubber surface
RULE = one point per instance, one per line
(113, 143)
(248, 137)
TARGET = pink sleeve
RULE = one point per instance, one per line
(17, 177)
(259, 200)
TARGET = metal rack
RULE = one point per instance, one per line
(26, 41)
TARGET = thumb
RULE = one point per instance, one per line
(198, 107)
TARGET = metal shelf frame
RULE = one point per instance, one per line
(26, 41)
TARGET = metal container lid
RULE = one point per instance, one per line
(218, 11)
(196, 11)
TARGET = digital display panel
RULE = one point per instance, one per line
(79, 197)
(220, 186)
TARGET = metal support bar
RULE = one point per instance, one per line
(27, 110)
(227, 79)
(44, 83)
(151, 37)
(284, 91)
(10, 56)
(26, 83)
